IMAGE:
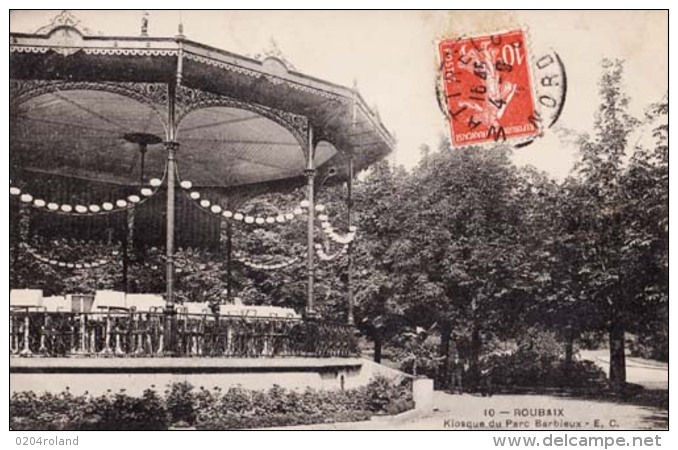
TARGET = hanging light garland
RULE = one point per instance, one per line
(218, 210)
(121, 204)
(69, 265)
(328, 229)
(320, 251)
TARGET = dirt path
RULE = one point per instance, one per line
(514, 412)
(645, 372)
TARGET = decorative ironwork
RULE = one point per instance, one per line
(222, 65)
(257, 74)
(189, 100)
(154, 95)
(125, 333)
(274, 52)
(27, 49)
(131, 51)
(65, 19)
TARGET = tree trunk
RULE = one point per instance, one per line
(377, 347)
(617, 357)
(476, 348)
(445, 338)
(569, 348)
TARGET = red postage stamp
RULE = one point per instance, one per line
(487, 87)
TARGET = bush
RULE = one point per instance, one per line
(64, 411)
(123, 412)
(530, 369)
(243, 408)
(180, 403)
(651, 346)
(208, 410)
(383, 395)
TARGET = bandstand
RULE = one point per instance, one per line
(151, 136)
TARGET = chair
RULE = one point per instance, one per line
(81, 303)
(195, 308)
(109, 300)
(145, 302)
(25, 298)
(56, 304)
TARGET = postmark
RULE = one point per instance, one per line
(487, 88)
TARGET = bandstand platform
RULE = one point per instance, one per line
(90, 117)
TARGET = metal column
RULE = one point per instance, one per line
(170, 313)
(229, 262)
(171, 145)
(310, 263)
(349, 268)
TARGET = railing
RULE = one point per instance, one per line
(133, 334)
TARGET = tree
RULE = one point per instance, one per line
(459, 247)
(607, 269)
(380, 210)
(645, 187)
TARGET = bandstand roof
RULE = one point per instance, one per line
(83, 105)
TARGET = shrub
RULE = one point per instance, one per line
(123, 412)
(651, 346)
(382, 393)
(526, 368)
(243, 408)
(206, 409)
(64, 411)
(180, 402)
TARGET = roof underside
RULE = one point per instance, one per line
(239, 121)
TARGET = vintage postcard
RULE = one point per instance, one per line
(338, 220)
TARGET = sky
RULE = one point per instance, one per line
(391, 56)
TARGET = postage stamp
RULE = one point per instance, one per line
(488, 89)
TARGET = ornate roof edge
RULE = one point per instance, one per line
(276, 71)
(65, 19)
